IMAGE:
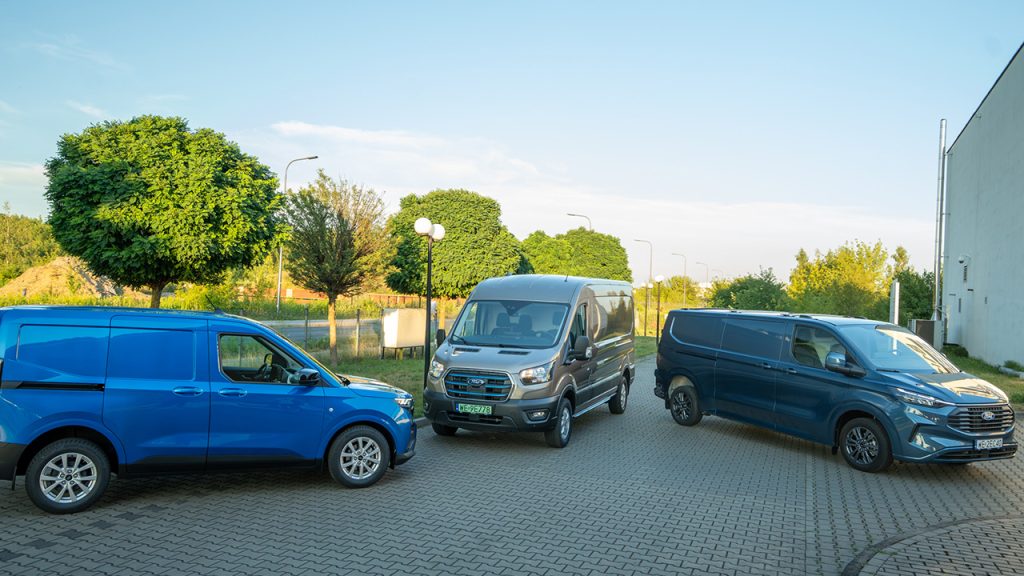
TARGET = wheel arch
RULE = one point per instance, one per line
(392, 448)
(71, 431)
(847, 414)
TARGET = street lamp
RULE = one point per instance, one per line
(280, 247)
(647, 285)
(589, 225)
(433, 233)
(657, 321)
(707, 280)
(684, 275)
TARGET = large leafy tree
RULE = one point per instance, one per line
(150, 202)
(578, 252)
(24, 242)
(477, 245)
(761, 291)
(337, 241)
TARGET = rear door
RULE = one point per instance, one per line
(746, 369)
(157, 397)
(259, 415)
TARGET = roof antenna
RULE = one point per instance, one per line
(216, 309)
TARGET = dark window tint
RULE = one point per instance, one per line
(761, 338)
(73, 350)
(142, 353)
(614, 317)
(699, 329)
(579, 325)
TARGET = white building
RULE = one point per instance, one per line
(983, 266)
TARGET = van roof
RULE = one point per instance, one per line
(825, 318)
(543, 287)
(109, 311)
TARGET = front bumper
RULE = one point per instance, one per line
(507, 416)
(410, 448)
(9, 456)
(929, 435)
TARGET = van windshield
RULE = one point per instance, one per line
(510, 324)
(894, 349)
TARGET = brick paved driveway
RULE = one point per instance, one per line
(632, 494)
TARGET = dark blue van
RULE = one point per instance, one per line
(89, 391)
(870, 389)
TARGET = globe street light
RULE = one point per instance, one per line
(657, 321)
(647, 285)
(589, 225)
(683, 256)
(280, 247)
(433, 233)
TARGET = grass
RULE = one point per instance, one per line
(645, 346)
(1012, 385)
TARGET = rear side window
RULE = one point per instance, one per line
(70, 350)
(761, 338)
(699, 329)
(147, 354)
(614, 317)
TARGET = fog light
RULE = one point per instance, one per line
(537, 414)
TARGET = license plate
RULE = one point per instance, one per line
(473, 409)
(988, 444)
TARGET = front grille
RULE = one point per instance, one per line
(972, 418)
(476, 418)
(1004, 452)
(473, 385)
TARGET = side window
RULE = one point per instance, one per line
(579, 325)
(811, 345)
(761, 338)
(699, 329)
(149, 354)
(245, 358)
(62, 352)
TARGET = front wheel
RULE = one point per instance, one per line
(359, 457)
(865, 445)
(558, 437)
(442, 430)
(618, 402)
(685, 406)
(67, 476)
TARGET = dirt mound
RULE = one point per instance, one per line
(64, 276)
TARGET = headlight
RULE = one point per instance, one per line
(436, 369)
(919, 399)
(404, 401)
(536, 375)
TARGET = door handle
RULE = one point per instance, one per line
(232, 392)
(187, 391)
(791, 371)
(766, 366)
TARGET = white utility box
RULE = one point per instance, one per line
(403, 327)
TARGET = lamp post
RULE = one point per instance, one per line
(589, 225)
(684, 275)
(433, 233)
(707, 280)
(280, 247)
(657, 321)
(647, 285)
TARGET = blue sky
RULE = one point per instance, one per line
(732, 132)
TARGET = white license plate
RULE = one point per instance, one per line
(988, 444)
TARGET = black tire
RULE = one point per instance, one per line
(618, 402)
(559, 436)
(67, 476)
(442, 430)
(865, 445)
(359, 457)
(685, 406)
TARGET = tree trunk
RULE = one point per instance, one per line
(154, 299)
(332, 330)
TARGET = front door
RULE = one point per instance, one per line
(580, 369)
(259, 415)
(805, 391)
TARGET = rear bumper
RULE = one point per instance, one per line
(507, 416)
(9, 456)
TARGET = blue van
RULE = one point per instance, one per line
(93, 390)
(872, 390)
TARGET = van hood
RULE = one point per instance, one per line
(369, 387)
(958, 388)
(510, 360)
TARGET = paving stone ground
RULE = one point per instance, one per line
(631, 494)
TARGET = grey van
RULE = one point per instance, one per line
(530, 353)
(872, 390)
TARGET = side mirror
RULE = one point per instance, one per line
(836, 362)
(440, 336)
(583, 350)
(307, 377)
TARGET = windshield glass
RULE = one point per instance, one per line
(509, 323)
(896, 349)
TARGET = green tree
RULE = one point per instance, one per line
(578, 252)
(751, 292)
(917, 291)
(852, 280)
(150, 202)
(337, 241)
(24, 242)
(476, 246)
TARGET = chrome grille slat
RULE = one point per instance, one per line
(496, 386)
(969, 418)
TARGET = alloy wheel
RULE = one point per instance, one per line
(360, 458)
(68, 477)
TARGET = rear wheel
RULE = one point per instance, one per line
(685, 406)
(558, 437)
(67, 476)
(865, 445)
(442, 430)
(359, 457)
(618, 402)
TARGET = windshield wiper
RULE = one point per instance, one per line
(455, 338)
(889, 370)
(503, 345)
